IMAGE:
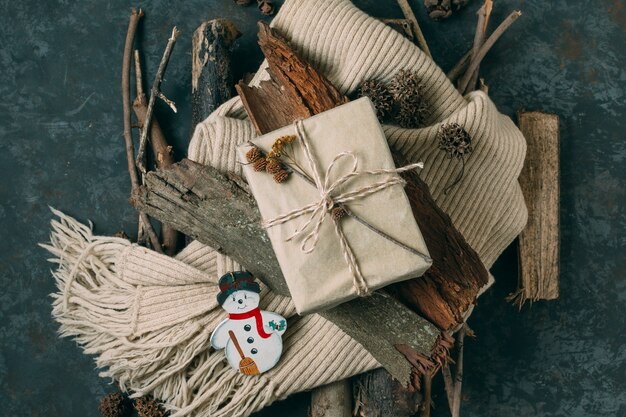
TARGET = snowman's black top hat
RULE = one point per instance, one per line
(236, 281)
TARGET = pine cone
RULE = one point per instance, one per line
(260, 165)
(274, 167)
(281, 176)
(337, 213)
(149, 407)
(454, 140)
(266, 7)
(442, 9)
(114, 405)
(380, 96)
(254, 154)
(407, 91)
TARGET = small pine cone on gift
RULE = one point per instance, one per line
(281, 176)
(337, 213)
(407, 91)
(274, 167)
(266, 7)
(442, 9)
(149, 407)
(378, 92)
(260, 165)
(254, 154)
(454, 140)
(114, 405)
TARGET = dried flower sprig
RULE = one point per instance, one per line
(270, 162)
(457, 143)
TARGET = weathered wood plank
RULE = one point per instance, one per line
(539, 242)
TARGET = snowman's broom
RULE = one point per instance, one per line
(246, 365)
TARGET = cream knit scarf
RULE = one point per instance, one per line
(147, 318)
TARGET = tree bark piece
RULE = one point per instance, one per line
(377, 394)
(539, 242)
(297, 90)
(208, 206)
(332, 400)
(446, 291)
(211, 76)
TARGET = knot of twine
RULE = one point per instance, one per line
(330, 198)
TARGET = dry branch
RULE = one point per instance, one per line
(458, 378)
(128, 135)
(479, 40)
(155, 92)
(473, 66)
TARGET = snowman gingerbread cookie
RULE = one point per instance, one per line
(252, 338)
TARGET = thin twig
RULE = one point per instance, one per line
(409, 15)
(482, 86)
(449, 384)
(479, 40)
(154, 93)
(138, 74)
(486, 47)
(460, 66)
(128, 138)
(458, 378)
(427, 402)
(141, 227)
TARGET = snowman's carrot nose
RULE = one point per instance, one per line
(246, 365)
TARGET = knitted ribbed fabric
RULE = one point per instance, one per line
(148, 318)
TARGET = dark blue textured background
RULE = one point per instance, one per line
(61, 145)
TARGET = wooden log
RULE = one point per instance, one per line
(211, 76)
(332, 400)
(539, 242)
(377, 394)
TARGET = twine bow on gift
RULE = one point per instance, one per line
(331, 198)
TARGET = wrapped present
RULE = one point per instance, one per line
(334, 206)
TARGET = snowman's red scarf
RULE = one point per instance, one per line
(256, 313)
